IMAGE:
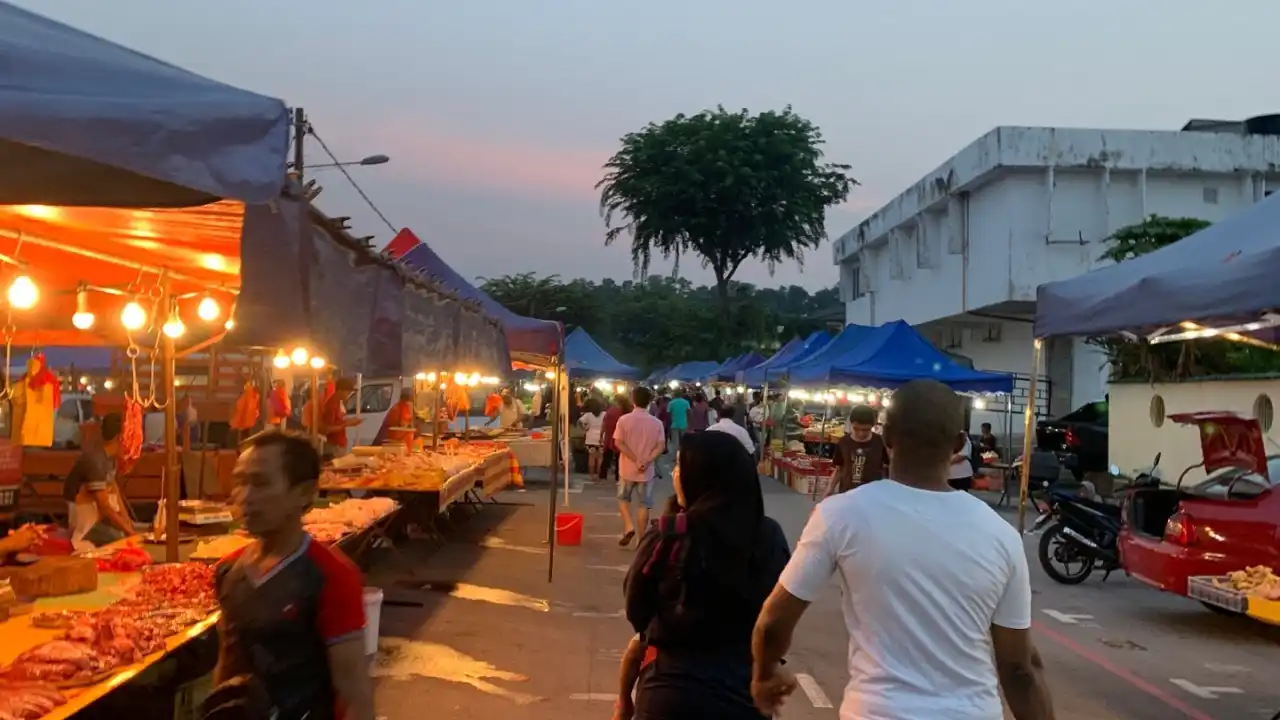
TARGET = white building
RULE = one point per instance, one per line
(961, 252)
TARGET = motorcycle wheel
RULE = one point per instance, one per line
(1056, 547)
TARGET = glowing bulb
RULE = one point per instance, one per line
(84, 379)
(431, 377)
(299, 355)
(108, 384)
(208, 309)
(673, 384)
(979, 404)
(281, 361)
(622, 388)
(551, 374)
(474, 380)
(318, 363)
(459, 378)
(23, 293)
(742, 389)
(83, 318)
(133, 317)
(420, 376)
(173, 327)
(230, 323)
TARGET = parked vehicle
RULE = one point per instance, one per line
(1226, 522)
(1079, 536)
(1079, 439)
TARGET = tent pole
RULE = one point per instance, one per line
(172, 466)
(562, 424)
(1028, 421)
(556, 409)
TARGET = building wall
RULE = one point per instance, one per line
(1004, 239)
(1138, 431)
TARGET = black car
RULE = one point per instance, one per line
(1079, 439)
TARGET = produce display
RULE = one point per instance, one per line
(1258, 581)
(93, 645)
(423, 471)
(327, 525)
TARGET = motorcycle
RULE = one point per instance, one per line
(1079, 534)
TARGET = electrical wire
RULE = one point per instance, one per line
(365, 196)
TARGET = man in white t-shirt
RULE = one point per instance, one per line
(728, 424)
(937, 628)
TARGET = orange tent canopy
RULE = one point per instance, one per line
(119, 253)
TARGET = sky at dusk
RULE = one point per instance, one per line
(498, 114)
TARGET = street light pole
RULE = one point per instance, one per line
(299, 133)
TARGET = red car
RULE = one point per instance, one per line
(1227, 522)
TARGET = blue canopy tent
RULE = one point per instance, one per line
(815, 368)
(775, 367)
(893, 354)
(585, 359)
(529, 340)
(656, 376)
(692, 371)
(86, 122)
(729, 371)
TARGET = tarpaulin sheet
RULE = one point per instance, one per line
(1223, 274)
(84, 121)
(586, 360)
(429, 340)
(890, 355)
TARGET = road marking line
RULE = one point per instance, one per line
(1207, 693)
(1119, 672)
(1066, 618)
(813, 690)
(614, 568)
(613, 536)
(598, 614)
(497, 543)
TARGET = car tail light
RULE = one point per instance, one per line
(1070, 440)
(1179, 530)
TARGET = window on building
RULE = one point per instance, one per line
(1211, 196)
(851, 281)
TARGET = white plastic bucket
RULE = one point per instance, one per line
(372, 616)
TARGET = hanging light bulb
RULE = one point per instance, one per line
(230, 323)
(431, 377)
(173, 327)
(208, 309)
(23, 293)
(459, 378)
(474, 380)
(133, 317)
(318, 363)
(83, 318)
(281, 361)
(299, 355)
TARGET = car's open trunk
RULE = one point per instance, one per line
(1150, 509)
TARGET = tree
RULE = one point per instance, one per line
(1174, 361)
(725, 187)
(661, 321)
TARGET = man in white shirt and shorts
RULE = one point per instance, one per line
(937, 628)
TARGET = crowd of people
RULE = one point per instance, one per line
(937, 629)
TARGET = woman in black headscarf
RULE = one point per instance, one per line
(697, 584)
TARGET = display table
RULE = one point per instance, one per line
(530, 452)
(805, 474)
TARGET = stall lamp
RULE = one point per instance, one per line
(431, 377)
(673, 384)
(173, 327)
(872, 399)
(23, 293)
(133, 317)
(459, 378)
(420, 376)
(979, 404)
(530, 387)
(299, 356)
(886, 402)
(318, 363)
(551, 374)
(622, 388)
(856, 398)
(83, 318)
(208, 309)
(281, 361)
(230, 323)
(742, 389)
(107, 384)
(474, 380)
(84, 379)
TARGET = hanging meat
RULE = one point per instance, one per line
(130, 436)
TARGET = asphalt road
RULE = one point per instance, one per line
(474, 629)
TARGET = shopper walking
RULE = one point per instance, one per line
(728, 423)
(292, 609)
(609, 460)
(937, 628)
(696, 584)
(638, 440)
(678, 409)
(861, 455)
(700, 413)
(592, 423)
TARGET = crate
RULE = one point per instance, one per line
(1202, 588)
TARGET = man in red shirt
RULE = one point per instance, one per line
(617, 409)
(334, 421)
(292, 609)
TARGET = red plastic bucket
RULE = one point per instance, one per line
(569, 528)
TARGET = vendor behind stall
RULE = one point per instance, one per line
(400, 422)
(95, 508)
(334, 421)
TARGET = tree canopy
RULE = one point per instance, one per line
(661, 321)
(1174, 361)
(725, 186)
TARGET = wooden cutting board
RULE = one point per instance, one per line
(53, 577)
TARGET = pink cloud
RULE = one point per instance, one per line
(437, 154)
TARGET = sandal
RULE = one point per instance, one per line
(627, 537)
